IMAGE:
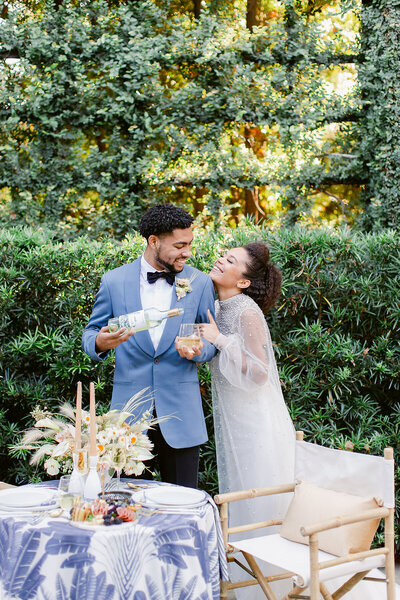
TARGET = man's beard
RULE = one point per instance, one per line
(165, 264)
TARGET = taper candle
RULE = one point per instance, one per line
(92, 424)
(78, 417)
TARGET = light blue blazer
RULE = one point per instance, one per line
(172, 379)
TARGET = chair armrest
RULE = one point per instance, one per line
(254, 493)
(376, 513)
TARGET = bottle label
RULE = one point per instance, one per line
(137, 320)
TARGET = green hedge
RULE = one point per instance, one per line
(335, 331)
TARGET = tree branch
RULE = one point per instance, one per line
(321, 59)
(246, 184)
(339, 200)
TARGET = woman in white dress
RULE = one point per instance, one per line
(253, 430)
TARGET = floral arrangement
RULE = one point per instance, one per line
(122, 443)
(183, 286)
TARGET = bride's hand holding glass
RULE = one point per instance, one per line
(189, 344)
(209, 331)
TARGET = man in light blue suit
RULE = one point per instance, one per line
(150, 359)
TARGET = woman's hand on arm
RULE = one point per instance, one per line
(209, 331)
(254, 339)
(242, 360)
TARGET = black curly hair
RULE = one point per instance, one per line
(265, 278)
(164, 218)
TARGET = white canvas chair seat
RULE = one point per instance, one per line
(294, 557)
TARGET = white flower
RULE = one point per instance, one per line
(39, 413)
(52, 466)
(61, 449)
(49, 423)
(129, 468)
(122, 441)
(182, 286)
(143, 454)
(132, 439)
(101, 449)
(135, 468)
(102, 436)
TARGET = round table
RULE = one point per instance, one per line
(161, 556)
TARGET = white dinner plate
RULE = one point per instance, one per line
(27, 497)
(164, 496)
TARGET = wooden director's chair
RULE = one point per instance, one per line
(338, 474)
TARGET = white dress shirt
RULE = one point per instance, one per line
(154, 295)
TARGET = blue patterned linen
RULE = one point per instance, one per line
(162, 556)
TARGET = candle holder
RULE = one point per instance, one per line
(93, 485)
(78, 475)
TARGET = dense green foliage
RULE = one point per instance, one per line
(335, 330)
(380, 81)
(114, 106)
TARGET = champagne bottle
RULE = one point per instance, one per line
(142, 319)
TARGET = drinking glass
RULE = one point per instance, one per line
(189, 335)
(66, 498)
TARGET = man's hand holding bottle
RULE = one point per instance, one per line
(120, 329)
(106, 341)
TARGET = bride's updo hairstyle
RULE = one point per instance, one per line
(265, 278)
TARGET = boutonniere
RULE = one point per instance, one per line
(183, 286)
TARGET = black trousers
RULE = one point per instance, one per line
(177, 465)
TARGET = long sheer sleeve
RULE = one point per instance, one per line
(243, 358)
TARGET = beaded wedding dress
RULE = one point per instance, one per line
(254, 434)
(253, 430)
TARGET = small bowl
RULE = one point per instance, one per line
(116, 496)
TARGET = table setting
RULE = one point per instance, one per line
(115, 538)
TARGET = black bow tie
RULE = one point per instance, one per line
(152, 277)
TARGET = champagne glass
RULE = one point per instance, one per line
(106, 473)
(118, 484)
(118, 463)
(189, 335)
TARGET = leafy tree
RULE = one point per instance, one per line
(114, 106)
(380, 130)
